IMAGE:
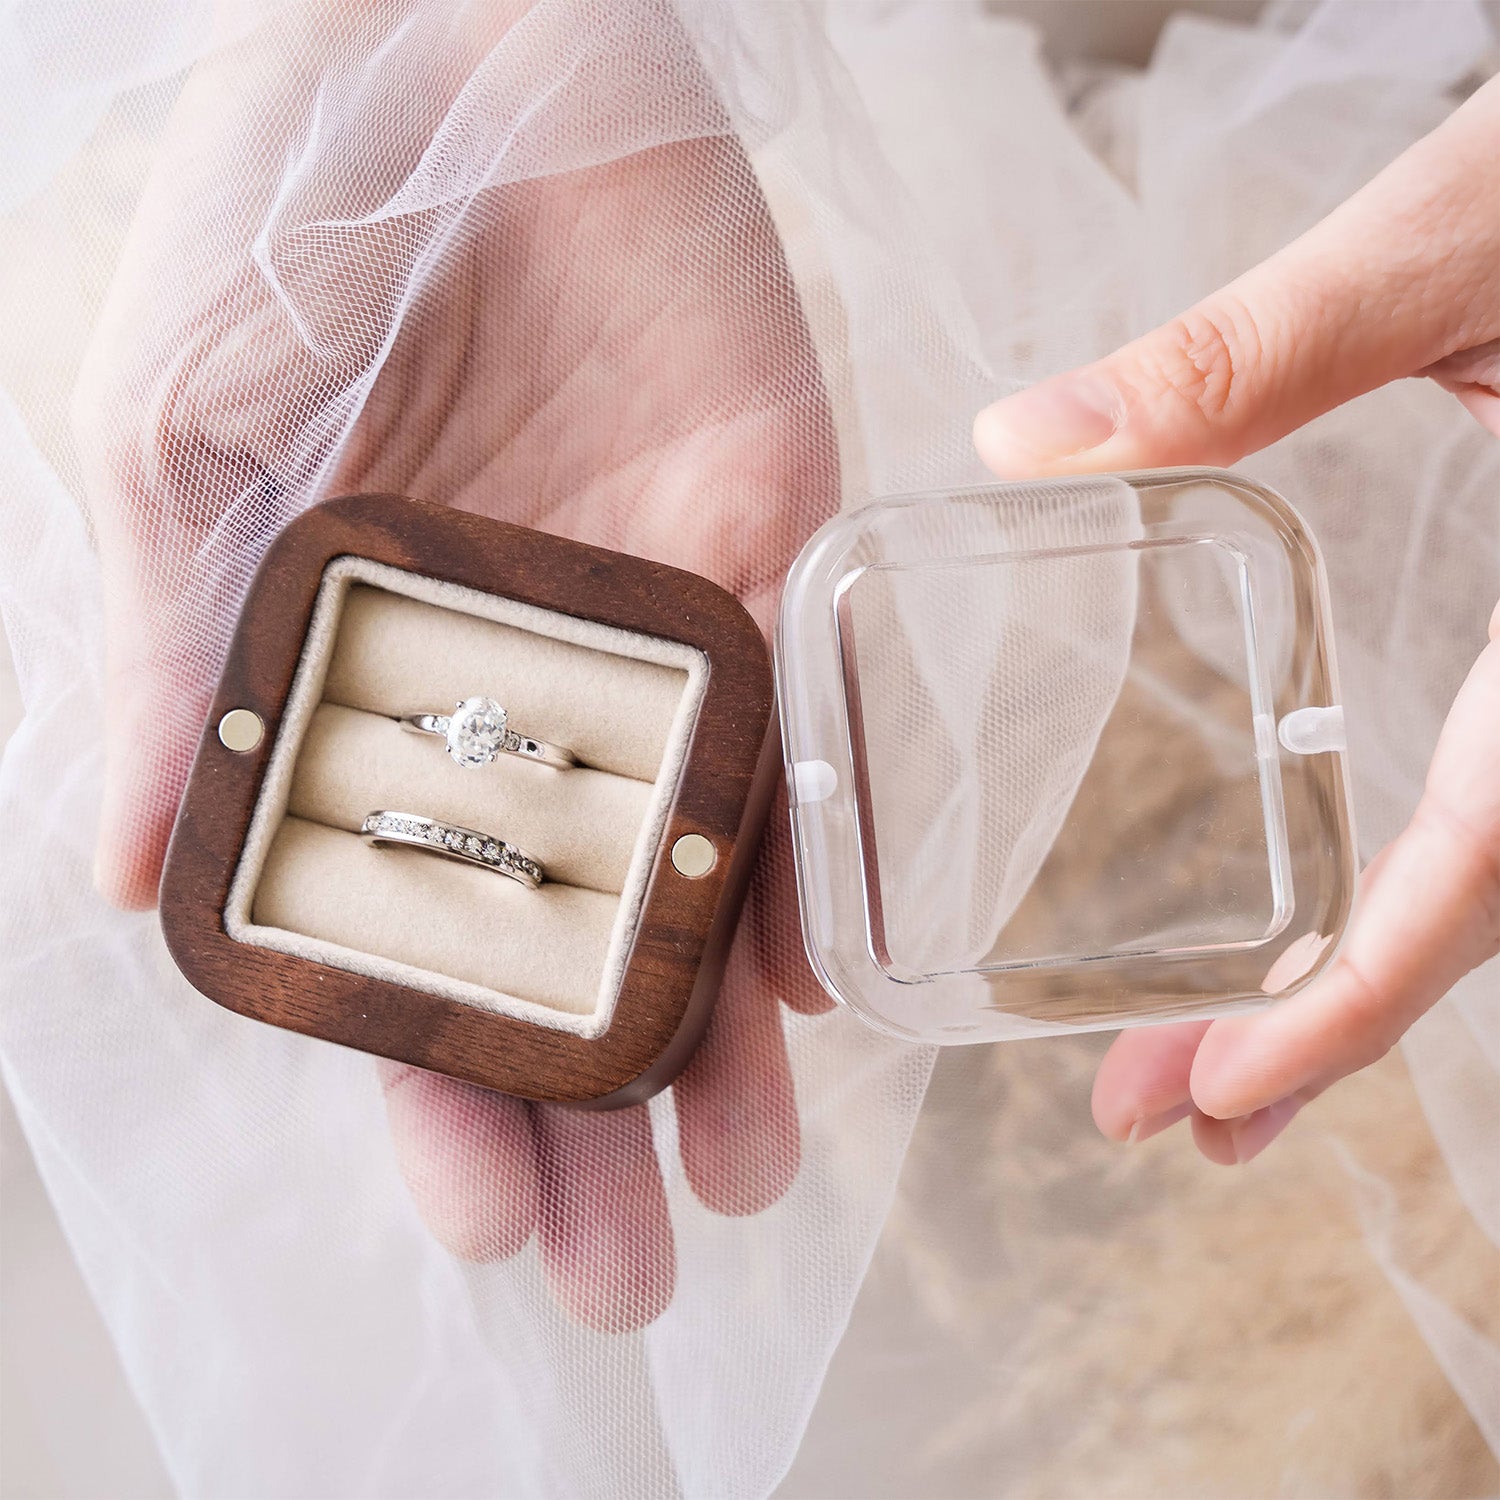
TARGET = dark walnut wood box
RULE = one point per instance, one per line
(722, 785)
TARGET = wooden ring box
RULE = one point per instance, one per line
(593, 990)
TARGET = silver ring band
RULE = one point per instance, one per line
(477, 732)
(466, 845)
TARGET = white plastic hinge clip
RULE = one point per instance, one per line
(1313, 731)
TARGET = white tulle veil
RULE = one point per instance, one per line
(920, 213)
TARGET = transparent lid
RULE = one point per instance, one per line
(1064, 755)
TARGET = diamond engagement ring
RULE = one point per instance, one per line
(466, 845)
(477, 732)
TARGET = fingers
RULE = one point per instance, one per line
(1142, 1085)
(156, 701)
(1431, 916)
(1399, 278)
(1473, 375)
(606, 1234)
(469, 1159)
(1231, 1143)
(486, 1171)
(135, 827)
(736, 1108)
(1429, 913)
(770, 917)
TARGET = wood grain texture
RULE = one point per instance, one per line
(682, 938)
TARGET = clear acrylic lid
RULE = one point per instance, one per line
(1064, 755)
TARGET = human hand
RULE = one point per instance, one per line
(613, 353)
(1403, 279)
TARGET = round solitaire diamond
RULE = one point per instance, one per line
(476, 731)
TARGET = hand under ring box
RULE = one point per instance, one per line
(646, 699)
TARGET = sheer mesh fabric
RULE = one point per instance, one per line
(679, 281)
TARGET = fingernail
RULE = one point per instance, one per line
(1149, 1125)
(1253, 1133)
(1057, 419)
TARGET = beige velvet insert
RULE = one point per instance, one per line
(313, 886)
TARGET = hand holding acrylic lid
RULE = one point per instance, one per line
(1403, 279)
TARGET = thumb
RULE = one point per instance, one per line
(158, 690)
(1398, 278)
(186, 484)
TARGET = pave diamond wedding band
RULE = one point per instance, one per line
(477, 732)
(466, 845)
